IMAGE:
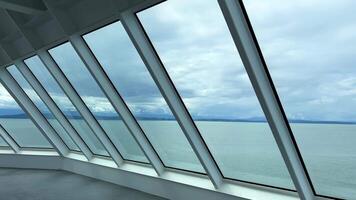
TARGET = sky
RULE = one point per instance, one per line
(309, 48)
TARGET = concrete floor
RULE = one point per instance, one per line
(25, 184)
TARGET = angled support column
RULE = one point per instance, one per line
(25, 71)
(165, 85)
(9, 140)
(103, 81)
(58, 75)
(255, 66)
(29, 107)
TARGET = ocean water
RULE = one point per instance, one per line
(243, 150)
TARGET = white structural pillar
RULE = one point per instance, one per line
(255, 66)
(165, 85)
(58, 75)
(29, 107)
(36, 85)
(8, 139)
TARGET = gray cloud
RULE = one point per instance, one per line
(308, 45)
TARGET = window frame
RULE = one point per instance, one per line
(118, 93)
(29, 117)
(71, 150)
(82, 101)
(275, 92)
(170, 79)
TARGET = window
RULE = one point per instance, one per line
(65, 105)
(18, 124)
(42, 107)
(200, 56)
(81, 79)
(131, 78)
(309, 47)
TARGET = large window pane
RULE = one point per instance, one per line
(18, 124)
(66, 106)
(131, 78)
(42, 107)
(195, 46)
(309, 47)
(81, 79)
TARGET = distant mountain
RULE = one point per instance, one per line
(19, 114)
(302, 121)
(12, 113)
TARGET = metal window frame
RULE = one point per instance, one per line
(118, 146)
(32, 111)
(19, 84)
(232, 10)
(224, 178)
(52, 106)
(110, 93)
(251, 56)
(116, 101)
(115, 155)
(76, 100)
(171, 95)
(116, 20)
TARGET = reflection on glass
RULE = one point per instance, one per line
(81, 79)
(42, 107)
(18, 124)
(310, 52)
(65, 105)
(131, 78)
(200, 56)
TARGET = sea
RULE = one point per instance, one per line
(244, 151)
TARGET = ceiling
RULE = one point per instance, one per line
(31, 25)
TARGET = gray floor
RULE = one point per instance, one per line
(20, 184)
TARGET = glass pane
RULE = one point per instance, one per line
(3, 143)
(65, 105)
(131, 78)
(18, 124)
(81, 79)
(42, 107)
(310, 52)
(202, 60)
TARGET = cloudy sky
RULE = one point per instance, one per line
(309, 48)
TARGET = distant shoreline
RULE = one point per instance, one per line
(211, 120)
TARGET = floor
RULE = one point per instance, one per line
(25, 184)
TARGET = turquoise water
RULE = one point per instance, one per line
(244, 150)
